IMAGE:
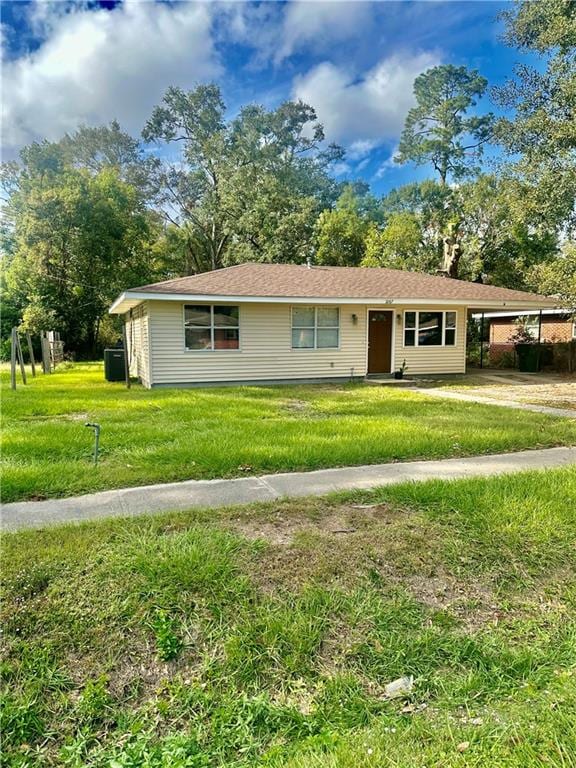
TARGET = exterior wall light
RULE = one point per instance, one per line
(355, 319)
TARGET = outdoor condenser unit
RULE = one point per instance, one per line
(114, 369)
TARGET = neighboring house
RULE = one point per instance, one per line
(286, 322)
(557, 326)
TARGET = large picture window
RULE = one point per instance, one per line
(429, 329)
(315, 327)
(211, 327)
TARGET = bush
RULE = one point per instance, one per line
(5, 348)
(564, 356)
(505, 359)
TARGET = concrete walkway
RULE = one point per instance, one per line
(450, 395)
(152, 499)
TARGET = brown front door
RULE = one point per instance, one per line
(379, 341)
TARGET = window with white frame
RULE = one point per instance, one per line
(209, 327)
(315, 327)
(429, 329)
(531, 323)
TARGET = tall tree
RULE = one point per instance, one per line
(557, 277)
(78, 238)
(542, 130)
(398, 245)
(433, 207)
(247, 188)
(500, 243)
(108, 146)
(341, 232)
(439, 131)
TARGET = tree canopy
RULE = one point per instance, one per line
(76, 238)
(247, 188)
(540, 134)
(439, 130)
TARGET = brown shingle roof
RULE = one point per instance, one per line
(298, 281)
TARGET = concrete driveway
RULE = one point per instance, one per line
(551, 390)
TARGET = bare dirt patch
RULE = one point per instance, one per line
(345, 544)
(554, 391)
(282, 528)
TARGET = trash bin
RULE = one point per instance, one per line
(528, 357)
(114, 365)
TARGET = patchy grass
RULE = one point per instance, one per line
(265, 635)
(164, 435)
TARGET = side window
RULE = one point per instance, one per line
(211, 327)
(410, 329)
(450, 330)
(315, 327)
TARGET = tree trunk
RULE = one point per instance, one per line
(451, 252)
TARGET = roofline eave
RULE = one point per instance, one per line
(129, 299)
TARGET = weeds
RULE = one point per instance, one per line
(168, 641)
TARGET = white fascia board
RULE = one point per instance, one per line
(130, 299)
(114, 309)
(526, 312)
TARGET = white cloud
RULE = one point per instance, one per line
(389, 163)
(367, 111)
(97, 65)
(341, 169)
(361, 148)
(277, 31)
(321, 24)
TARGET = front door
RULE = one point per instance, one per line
(380, 341)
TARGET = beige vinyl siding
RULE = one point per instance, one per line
(265, 348)
(266, 353)
(137, 334)
(422, 360)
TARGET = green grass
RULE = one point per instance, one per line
(264, 635)
(165, 435)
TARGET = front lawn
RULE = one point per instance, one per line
(266, 635)
(177, 434)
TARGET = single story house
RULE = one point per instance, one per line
(287, 322)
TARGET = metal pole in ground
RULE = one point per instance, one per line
(482, 341)
(13, 359)
(126, 363)
(96, 428)
(539, 338)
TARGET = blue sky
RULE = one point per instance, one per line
(354, 62)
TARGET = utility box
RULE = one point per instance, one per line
(114, 365)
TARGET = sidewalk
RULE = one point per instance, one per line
(151, 499)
